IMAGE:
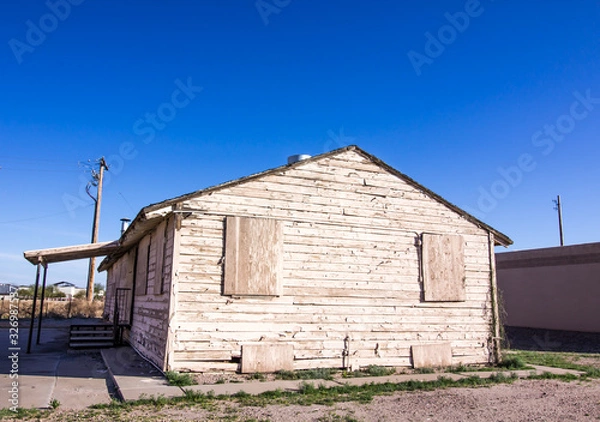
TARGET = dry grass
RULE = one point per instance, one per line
(76, 308)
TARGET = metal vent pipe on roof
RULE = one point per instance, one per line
(299, 157)
(124, 225)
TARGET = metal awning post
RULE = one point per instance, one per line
(39, 328)
(37, 282)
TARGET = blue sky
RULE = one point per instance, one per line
(495, 105)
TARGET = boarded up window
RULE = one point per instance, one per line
(141, 276)
(253, 257)
(443, 268)
(161, 243)
(147, 280)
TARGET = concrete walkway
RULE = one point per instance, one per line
(78, 379)
(135, 377)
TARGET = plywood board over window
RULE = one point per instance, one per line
(141, 277)
(253, 257)
(443, 268)
(161, 242)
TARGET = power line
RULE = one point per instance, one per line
(35, 160)
(41, 170)
(127, 202)
(40, 217)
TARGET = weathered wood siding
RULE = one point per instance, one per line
(351, 269)
(120, 275)
(150, 289)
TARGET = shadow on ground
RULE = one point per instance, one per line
(552, 340)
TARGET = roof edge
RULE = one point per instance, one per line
(503, 240)
(146, 212)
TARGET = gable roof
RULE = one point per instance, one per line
(151, 215)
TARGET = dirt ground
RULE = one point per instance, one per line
(524, 400)
(546, 400)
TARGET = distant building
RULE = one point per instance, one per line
(551, 288)
(69, 289)
(6, 288)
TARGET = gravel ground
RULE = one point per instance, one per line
(522, 401)
(525, 400)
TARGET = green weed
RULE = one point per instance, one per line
(558, 360)
(306, 374)
(180, 380)
(257, 376)
(512, 363)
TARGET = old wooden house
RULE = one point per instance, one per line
(337, 260)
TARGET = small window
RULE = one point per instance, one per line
(253, 257)
(443, 268)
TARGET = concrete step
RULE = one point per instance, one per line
(95, 333)
(96, 344)
(92, 330)
(83, 339)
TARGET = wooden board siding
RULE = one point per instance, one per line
(150, 306)
(119, 275)
(351, 270)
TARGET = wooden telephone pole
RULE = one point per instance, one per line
(98, 178)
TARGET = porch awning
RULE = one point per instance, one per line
(68, 253)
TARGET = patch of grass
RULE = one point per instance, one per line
(334, 417)
(379, 371)
(286, 375)
(461, 368)
(7, 414)
(549, 376)
(306, 374)
(512, 362)
(557, 360)
(54, 404)
(370, 371)
(180, 380)
(257, 376)
(424, 370)
(309, 394)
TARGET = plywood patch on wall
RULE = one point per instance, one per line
(431, 355)
(267, 357)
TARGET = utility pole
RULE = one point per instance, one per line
(558, 206)
(97, 181)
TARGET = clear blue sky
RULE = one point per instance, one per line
(448, 92)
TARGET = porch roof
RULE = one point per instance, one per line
(68, 253)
